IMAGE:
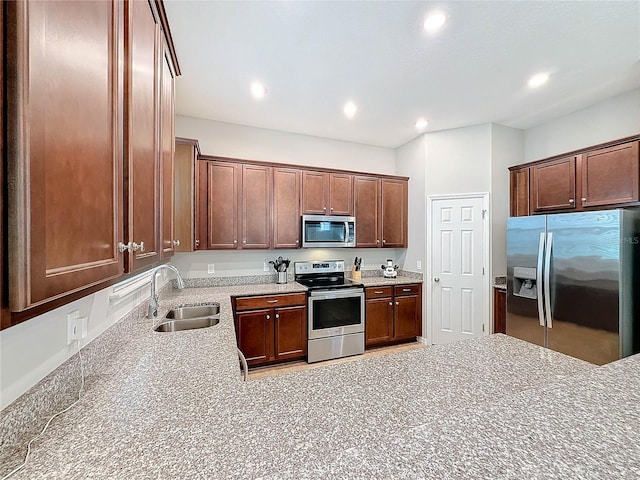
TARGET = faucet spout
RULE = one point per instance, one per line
(153, 302)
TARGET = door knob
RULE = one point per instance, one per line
(436, 279)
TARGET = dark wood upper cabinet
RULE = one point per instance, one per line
(256, 206)
(394, 213)
(142, 149)
(553, 185)
(167, 137)
(286, 207)
(519, 193)
(367, 211)
(340, 194)
(64, 130)
(221, 201)
(184, 193)
(325, 193)
(315, 192)
(610, 175)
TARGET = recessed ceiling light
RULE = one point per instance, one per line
(421, 124)
(435, 21)
(258, 90)
(350, 109)
(538, 79)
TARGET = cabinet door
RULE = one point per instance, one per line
(286, 208)
(256, 206)
(142, 149)
(168, 145)
(341, 194)
(290, 333)
(499, 310)
(255, 333)
(315, 192)
(610, 175)
(222, 186)
(519, 192)
(65, 169)
(378, 321)
(394, 213)
(553, 185)
(408, 321)
(185, 159)
(367, 211)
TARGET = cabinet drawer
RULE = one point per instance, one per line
(413, 289)
(270, 301)
(378, 292)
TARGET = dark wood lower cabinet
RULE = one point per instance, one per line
(393, 314)
(499, 310)
(268, 334)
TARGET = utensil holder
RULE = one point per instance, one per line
(282, 277)
(356, 274)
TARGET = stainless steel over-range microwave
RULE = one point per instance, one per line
(328, 231)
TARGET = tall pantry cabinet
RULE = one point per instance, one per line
(84, 140)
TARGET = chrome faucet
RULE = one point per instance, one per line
(153, 303)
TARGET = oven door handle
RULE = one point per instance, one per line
(340, 293)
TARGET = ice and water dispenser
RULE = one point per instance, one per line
(524, 282)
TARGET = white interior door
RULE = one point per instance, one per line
(458, 241)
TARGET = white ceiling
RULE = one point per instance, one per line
(314, 56)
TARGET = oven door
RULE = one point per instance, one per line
(335, 312)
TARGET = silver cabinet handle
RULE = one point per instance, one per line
(436, 279)
(176, 243)
(197, 242)
(571, 200)
(297, 241)
(390, 303)
(406, 289)
(332, 209)
(277, 316)
(244, 242)
(584, 199)
(378, 292)
(384, 241)
(324, 209)
(268, 317)
(137, 246)
(397, 303)
(124, 247)
(235, 242)
(377, 240)
(272, 301)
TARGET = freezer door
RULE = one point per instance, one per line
(584, 285)
(525, 253)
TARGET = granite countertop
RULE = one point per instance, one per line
(172, 405)
(381, 281)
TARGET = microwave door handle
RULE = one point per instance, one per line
(539, 274)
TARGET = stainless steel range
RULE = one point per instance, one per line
(335, 310)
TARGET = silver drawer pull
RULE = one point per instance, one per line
(390, 303)
(406, 289)
(378, 292)
(272, 301)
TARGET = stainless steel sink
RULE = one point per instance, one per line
(193, 311)
(187, 324)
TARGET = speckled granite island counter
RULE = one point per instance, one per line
(173, 405)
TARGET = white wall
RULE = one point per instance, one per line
(617, 117)
(507, 148)
(250, 143)
(410, 162)
(32, 349)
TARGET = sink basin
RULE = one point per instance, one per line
(193, 311)
(187, 324)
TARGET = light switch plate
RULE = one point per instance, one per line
(419, 265)
(211, 268)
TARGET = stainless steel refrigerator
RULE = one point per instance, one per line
(572, 282)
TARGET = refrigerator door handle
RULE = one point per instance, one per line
(547, 275)
(539, 279)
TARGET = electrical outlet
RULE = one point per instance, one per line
(419, 265)
(265, 266)
(76, 327)
(211, 268)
